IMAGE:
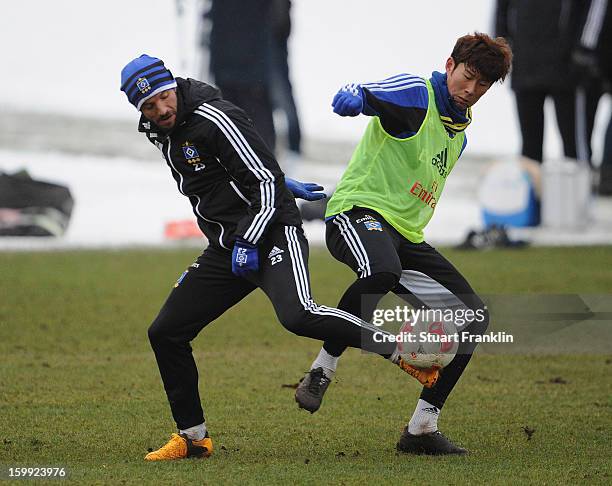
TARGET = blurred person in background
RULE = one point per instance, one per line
(240, 59)
(593, 57)
(282, 90)
(543, 35)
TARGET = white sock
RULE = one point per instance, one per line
(327, 362)
(197, 432)
(424, 419)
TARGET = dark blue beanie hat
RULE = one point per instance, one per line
(143, 78)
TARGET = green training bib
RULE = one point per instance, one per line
(401, 179)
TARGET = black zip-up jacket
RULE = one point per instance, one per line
(220, 163)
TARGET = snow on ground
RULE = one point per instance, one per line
(121, 202)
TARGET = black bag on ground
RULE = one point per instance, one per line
(33, 208)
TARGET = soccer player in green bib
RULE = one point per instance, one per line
(386, 197)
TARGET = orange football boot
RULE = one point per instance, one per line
(181, 447)
(426, 376)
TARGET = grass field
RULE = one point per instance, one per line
(79, 386)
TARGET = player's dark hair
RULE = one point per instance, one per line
(492, 58)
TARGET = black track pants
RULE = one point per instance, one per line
(364, 241)
(575, 113)
(209, 288)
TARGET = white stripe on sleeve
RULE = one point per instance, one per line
(246, 153)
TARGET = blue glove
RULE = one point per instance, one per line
(244, 258)
(305, 190)
(348, 101)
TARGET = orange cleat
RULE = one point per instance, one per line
(181, 447)
(426, 376)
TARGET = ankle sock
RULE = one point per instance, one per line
(197, 432)
(327, 362)
(424, 419)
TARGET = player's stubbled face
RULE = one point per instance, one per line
(161, 109)
(465, 85)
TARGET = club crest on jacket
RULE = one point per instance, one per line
(192, 156)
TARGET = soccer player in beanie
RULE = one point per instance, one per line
(245, 207)
(384, 200)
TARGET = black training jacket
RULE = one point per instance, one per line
(543, 34)
(234, 184)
